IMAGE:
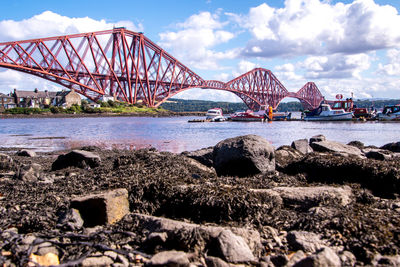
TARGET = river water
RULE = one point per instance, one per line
(176, 134)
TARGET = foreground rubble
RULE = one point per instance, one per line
(315, 203)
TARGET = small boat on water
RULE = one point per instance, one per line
(247, 115)
(215, 114)
(281, 116)
(325, 113)
(390, 113)
(250, 115)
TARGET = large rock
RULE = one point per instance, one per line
(325, 257)
(26, 153)
(170, 259)
(314, 195)
(233, 248)
(208, 234)
(305, 241)
(394, 147)
(97, 261)
(332, 146)
(378, 154)
(244, 156)
(286, 155)
(102, 208)
(76, 158)
(382, 177)
(204, 156)
(317, 138)
(29, 172)
(302, 146)
(6, 162)
(305, 197)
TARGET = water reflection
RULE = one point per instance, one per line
(176, 134)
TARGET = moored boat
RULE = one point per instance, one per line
(247, 115)
(390, 113)
(215, 114)
(325, 113)
(281, 116)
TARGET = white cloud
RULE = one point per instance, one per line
(52, 24)
(287, 72)
(393, 67)
(44, 25)
(315, 27)
(336, 66)
(195, 39)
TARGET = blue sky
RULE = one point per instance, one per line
(343, 46)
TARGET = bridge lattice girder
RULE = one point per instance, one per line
(116, 62)
(130, 67)
(310, 96)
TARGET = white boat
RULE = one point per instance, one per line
(215, 114)
(390, 113)
(325, 113)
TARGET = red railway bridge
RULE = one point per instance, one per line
(133, 69)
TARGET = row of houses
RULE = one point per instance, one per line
(39, 99)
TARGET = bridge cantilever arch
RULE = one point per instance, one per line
(133, 69)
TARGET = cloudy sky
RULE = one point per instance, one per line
(343, 46)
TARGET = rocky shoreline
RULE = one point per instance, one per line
(240, 203)
(94, 115)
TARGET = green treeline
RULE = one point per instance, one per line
(181, 105)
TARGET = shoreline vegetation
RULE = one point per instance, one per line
(106, 109)
(173, 107)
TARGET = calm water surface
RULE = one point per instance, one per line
(175, 134)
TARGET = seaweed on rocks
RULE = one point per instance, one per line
(175, 186)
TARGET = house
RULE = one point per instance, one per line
(106, 98)
(66, 99)
(44, 99)
(6, 102)
(32, 99)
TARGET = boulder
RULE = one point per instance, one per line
(6, 162)
(325, 257)
(204, 156)
(394, 147)
(317, 138)
(305, 241)
(380, 260)
(76, 158)
(169, 258)
(233, 248)
(286, 155)
(26, 153)
(207, 234)
(243, 156)
(29, 172)
(302, 146)
(378, 154)
(97, 261)
(356, 144)
(314, 195)
(305, 197)
(102, 208)
(71, 220)
(347, 258)
(332, 146)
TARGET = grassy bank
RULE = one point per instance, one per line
(85, 108)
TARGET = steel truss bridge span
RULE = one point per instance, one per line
(131, 68)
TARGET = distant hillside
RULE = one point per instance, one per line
(181, 105)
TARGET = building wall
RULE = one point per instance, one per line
(73, 98)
